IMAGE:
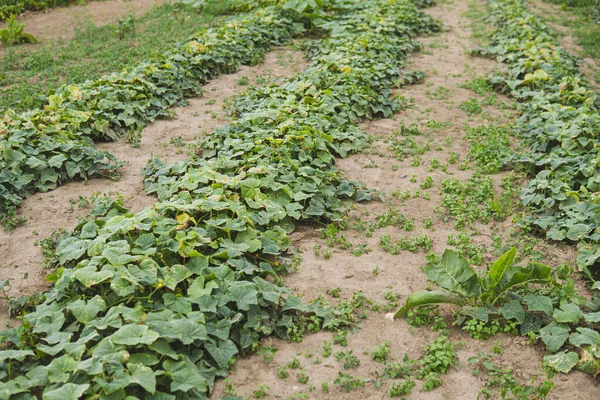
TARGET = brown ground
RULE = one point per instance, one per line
(447, 63)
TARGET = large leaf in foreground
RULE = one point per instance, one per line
(454, 274)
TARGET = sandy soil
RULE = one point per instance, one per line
(21, 260)
(60, 23)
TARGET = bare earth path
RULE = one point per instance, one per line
(446, 61)
(20, 258)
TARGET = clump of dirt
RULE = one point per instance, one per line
(171, 139)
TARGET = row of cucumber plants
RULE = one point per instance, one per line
(157, 304)
(43, 148)
(560, 120)
(557, 108)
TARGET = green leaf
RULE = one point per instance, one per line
(568, 313)
(86, 311)
(515, 276)
(222, 353)
(89, 277)
(454, 274)
(585, 336)
(513, 310)
(68, 391)
(554, 336)
(18, 355)
(185, 376)
(592, 318)
(562, 362)
(425, 297)
(143, 376)
(537, 302)
(131, 335)
(499, 268)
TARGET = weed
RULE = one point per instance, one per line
(349, 382)
(381, 352)
(401, 388)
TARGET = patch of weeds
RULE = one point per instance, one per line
(501, 383)
(302, 378)
(349, 382)
(471, 107)
(283, 372)
(462, 242)
(401, 388)
(427, 183)
(439, 358)
(479, 85)
(470, 201)
(490, 147)
(420, 242)
(348, 358)
(381, 352)
(440, 93)
(341, 338)
(326, 350)
(243, 81)
(261, 392)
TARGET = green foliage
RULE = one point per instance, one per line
(348, 358)
(490, 147)
(439, 358)
(461, 283)
(44, 148)
(420, 242)
(349, 382)
(14, 33)
(470, 201)
(381, 352)
(401, 388)
(560, 120)
(471, 107)
(160, 302)
(501, 383)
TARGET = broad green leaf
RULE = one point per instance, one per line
(568, 313)
(143, 376)
(132, 335)
(454, 274)
(18, 355)
(222, 353)
(68, 391)
(554, 336)
(562, 362)
(515, 276)
(185, 376)
(592, 317)
(89, 276)
(539, 303)
(425, 297)
(499, 268)
(513, 310)
(585, 336)
(85, 311)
